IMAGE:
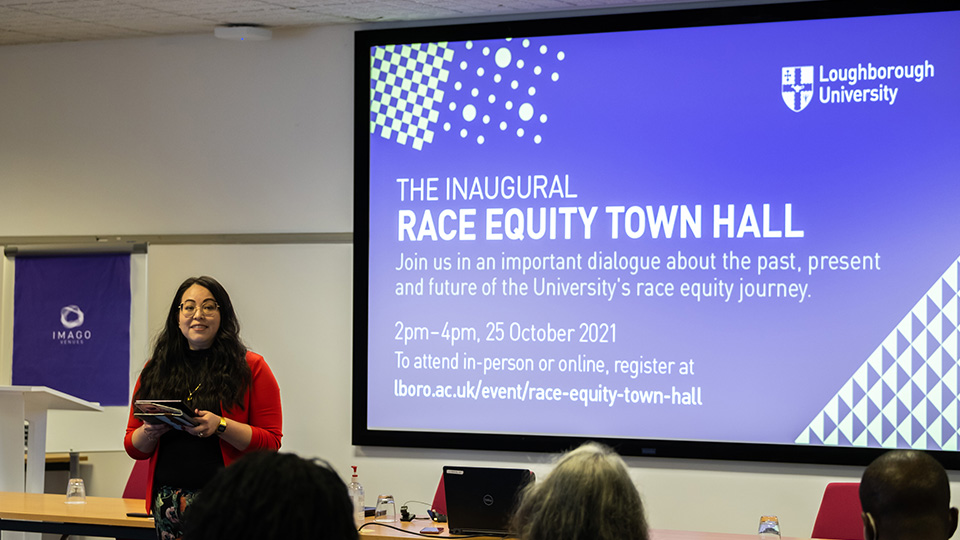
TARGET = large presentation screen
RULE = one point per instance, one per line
(716, 233)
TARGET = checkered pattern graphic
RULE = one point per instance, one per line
(905, 394)
(405, 90)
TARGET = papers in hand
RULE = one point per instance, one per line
(164, 411)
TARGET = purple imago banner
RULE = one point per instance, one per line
(71, 328)
(744, 233)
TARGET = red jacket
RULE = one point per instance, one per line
(261, 412)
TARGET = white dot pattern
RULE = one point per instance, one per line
(495, 94)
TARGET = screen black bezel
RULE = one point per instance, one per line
(678, 16)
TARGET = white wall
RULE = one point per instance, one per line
(177, 136)
(191, 135)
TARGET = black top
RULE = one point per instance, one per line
(183, 460)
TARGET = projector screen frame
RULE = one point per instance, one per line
(677, 16)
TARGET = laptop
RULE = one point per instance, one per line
(480, 500)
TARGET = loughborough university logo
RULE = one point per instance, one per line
(796, 86)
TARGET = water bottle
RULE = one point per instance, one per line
(356, 497)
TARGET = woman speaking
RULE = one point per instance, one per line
(200, 359)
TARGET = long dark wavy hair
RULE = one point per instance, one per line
(169, 375)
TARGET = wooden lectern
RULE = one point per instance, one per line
(30, 403)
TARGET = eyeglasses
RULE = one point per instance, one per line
(189, 309)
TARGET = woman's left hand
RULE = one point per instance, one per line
(207, 424)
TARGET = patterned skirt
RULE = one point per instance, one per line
(169, 506)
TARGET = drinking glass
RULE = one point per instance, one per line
(769, 528)
(386, 510)
(76, 493)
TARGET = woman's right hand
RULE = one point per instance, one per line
(149, 434)
(154, 431)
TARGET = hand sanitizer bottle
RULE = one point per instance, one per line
(356, 496)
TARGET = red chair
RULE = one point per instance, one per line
(839, 515)
(136, 487)
(440, 498)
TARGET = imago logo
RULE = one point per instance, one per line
(71, 317)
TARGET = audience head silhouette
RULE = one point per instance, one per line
(905, 494)
(588, 495)
(273, 495)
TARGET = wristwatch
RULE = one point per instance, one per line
(222, 427)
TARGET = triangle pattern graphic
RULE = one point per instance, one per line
(905, 394)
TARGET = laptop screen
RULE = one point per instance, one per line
(482, 499)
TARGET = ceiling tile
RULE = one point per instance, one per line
(41, 21)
